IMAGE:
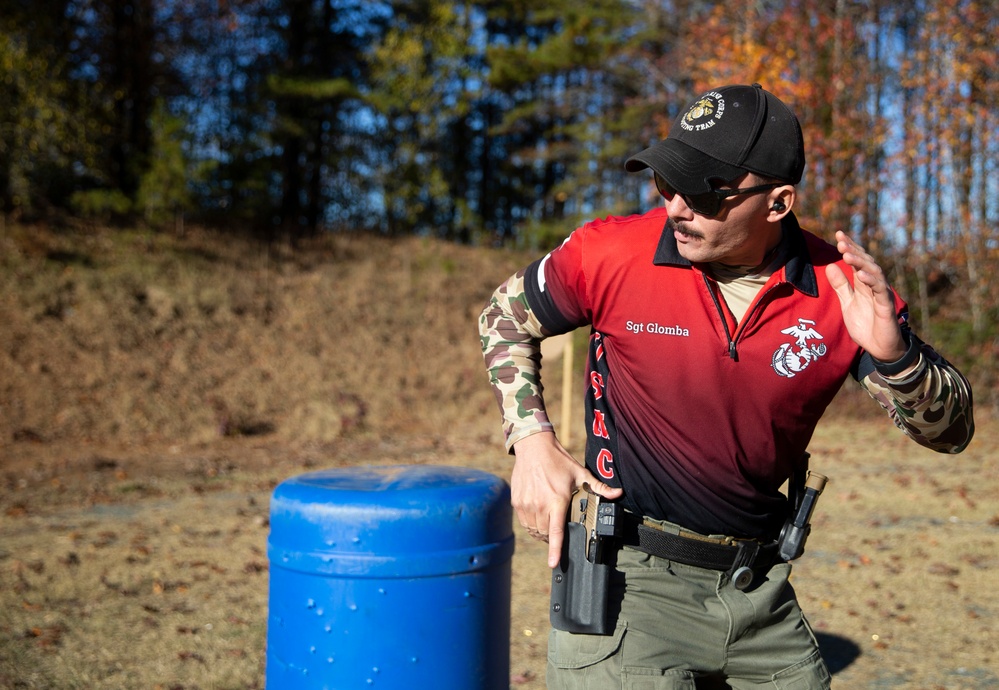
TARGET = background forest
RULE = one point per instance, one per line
(504, 121)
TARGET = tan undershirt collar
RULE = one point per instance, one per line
(740, 285)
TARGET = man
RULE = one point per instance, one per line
(720, 332)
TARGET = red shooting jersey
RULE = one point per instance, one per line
(700, 419)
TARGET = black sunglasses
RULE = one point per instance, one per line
(709, 203)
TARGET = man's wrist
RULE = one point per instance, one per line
(903, 363)
(520, 433)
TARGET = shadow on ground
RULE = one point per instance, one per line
(838, 652)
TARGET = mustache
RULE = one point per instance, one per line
(682, 228)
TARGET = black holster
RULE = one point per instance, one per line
(581, 581)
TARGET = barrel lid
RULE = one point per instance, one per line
(399, 520)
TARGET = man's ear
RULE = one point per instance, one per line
(781, 200)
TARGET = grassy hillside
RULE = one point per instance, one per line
(132, 336)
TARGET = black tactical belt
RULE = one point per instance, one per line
(698, 551)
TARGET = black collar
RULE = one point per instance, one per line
(798, 269)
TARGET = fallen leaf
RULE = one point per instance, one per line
(49, 636)
(522, 677)
(255, 567)
(962, 492)
(945, 569)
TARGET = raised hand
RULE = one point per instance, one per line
(868, 305)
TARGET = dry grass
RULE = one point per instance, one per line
(155, 389)
(143, 337)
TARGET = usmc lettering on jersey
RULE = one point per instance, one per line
(793, 358)
(601, 442)
(657, 329)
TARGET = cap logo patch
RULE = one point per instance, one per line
(708, 109)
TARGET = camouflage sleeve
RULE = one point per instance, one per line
(511, 345)
(931, 404)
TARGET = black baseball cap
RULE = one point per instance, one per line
(723, 134)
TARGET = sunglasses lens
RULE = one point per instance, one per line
(664, 187)
(706, 204)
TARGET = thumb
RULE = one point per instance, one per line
(602, 489)
(838, 282)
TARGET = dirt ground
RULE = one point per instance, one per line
(155, 390)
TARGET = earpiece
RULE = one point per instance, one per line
(778, 206)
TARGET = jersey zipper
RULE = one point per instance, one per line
(732, 339)
(732, 352)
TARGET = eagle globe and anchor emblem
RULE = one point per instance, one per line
(703, 107)
(792, 358)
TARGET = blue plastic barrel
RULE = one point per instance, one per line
(393, 577)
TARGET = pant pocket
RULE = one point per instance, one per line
(654, 679)
(584, 662)
(810, 674)
(571, 651)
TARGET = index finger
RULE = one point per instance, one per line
(556, 534)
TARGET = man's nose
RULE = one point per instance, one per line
(677, 208)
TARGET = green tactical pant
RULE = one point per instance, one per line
(678, 623)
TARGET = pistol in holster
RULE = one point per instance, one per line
(581, 581)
